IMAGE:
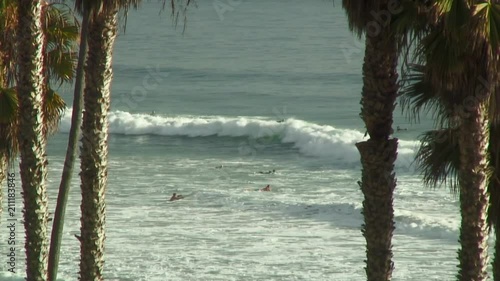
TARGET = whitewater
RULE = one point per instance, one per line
(270, 85)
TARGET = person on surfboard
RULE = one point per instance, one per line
(176, 197)
(268, 172)
(267, 188)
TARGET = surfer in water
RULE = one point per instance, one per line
(268, 172)
(401, 129)
(176, 197)
(267, 188)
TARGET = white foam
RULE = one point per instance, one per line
(309, 138)
(7, 276)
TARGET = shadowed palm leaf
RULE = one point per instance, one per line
(438, 158)
(8, 112)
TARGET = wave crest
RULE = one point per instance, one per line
(309, 138)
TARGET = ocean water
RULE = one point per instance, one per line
(217, 91)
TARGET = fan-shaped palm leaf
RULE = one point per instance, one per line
(61, 29)
(8, 118)
(54, 108)
(438, 158)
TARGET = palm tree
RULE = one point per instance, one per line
(8, 98)
(462, 90)
(35, 104)
(60, 31)
(438, 157)
(102, 30)
(33, 165)
(378, 153)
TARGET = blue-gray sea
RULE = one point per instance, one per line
(251, 86)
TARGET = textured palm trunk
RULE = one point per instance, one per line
(494, 192)
(94, 152)
(473, 142)
(4, 143)
(45, 78)
(379, 153)
(496, 258)
(33, 165)
(3, 176)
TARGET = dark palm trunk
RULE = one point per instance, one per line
(496, 258)
(98, 76)
(379, 153)
(4, 127)
(3, 176)
(494, 192)
(473, 142)
(71, 152)
(33, 166)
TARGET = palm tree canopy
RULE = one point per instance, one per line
(359, 13)
(61, 30)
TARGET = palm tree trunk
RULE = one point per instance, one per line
(3, 175)
(493, 218)
(33, 165)
(473, 177)
(379, 153)
(71, 152)
(496, 258)
(98, 76)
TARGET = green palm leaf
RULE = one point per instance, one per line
(8, 105)
(54, 108)
(438, 158)
(61, 66)
(8, 122)
(489, 14)
(417, 95)
(61, 30)
(456, 14)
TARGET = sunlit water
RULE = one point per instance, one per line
(217, 92)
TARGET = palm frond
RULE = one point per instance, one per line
(62, 31)
(96, 7)
(61, 66)
(493, 217)
(8, 31)
(438, 158)
(179, 7)
(358, 14)
(8, 122)
(456, 15)
(54, 108)
(8, 105)
(489, 19)
(444, 58)
(417, 95)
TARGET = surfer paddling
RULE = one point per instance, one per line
(267, 188)
(268, 172)
(176, 197)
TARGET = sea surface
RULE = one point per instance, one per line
(251, 86)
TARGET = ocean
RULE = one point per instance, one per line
(252, 86)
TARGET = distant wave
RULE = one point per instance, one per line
(309, 138)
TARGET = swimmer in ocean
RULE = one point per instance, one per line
(267, 188)
(268, 172)
(176, 197)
